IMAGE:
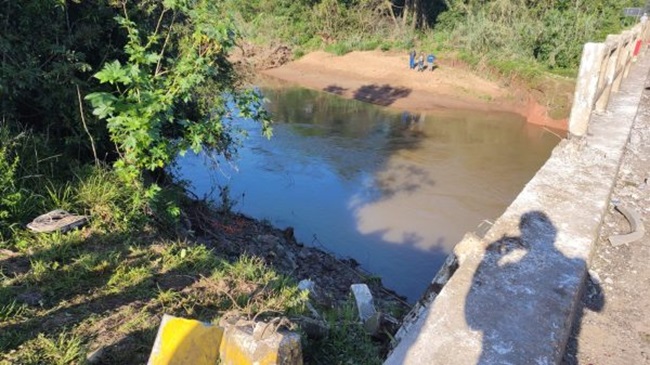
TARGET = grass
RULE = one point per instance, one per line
(347, 342)
(62, 295)
(64, 348)
(91, 284)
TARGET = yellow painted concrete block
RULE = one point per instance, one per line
(184, 341)
(259, 345)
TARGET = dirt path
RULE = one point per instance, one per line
(384, 78)
(613, 326)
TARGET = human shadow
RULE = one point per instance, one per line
(335, 89)
(383, 95)
(593, 299)
(521, 293)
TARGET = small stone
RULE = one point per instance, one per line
(609, 281)
(290, 258)
(595, 278)
(289, 234)
(315, 293)
(306, 284)
(95, 356)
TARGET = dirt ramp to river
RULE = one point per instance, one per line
(384, 78)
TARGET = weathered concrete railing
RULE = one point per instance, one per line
(602, 68)
(510, 296)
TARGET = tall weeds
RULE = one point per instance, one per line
(547, 34)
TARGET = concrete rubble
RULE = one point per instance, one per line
(259, 344)
(363, 298)
(374, 322)
(637, 230)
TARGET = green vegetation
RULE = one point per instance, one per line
(524, 38)
(111, 289)
(347, 342)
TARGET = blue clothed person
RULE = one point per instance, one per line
(431, 59)
(412, 59)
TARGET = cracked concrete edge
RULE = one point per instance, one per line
(441, 333)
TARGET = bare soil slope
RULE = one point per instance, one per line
(384, 78)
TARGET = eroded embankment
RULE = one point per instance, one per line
(384, 78)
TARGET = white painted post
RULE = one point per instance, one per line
(645, 29)
(623, 59)
(627, 61)
(586, 88)
(630, 58)
(612, 66)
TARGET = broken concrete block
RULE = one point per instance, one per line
(636, 225)
(363, 298)
(185, 341)
(260, 344)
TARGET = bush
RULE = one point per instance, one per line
(111, 204)
(338, 48)
(10, 195)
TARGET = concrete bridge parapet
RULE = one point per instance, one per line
(512, 298)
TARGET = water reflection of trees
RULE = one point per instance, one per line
(351, 135)
(332, 115)
(354, 137)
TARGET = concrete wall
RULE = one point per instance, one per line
(512, 297)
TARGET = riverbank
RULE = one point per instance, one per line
(98, 295)
(384, 78)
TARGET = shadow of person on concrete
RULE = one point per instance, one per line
(520, 295)
(593, 299)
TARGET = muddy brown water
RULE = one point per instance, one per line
(393, 190)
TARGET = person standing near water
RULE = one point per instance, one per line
(430, 61)
(421, 62)
(412, 59)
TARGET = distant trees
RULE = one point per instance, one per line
(419, 14)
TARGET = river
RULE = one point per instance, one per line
(393, 190)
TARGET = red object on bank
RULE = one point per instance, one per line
(637, 47)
